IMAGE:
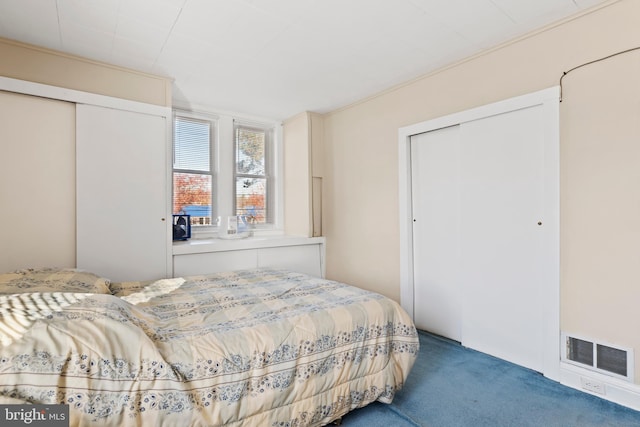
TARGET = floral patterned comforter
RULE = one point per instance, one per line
(252, 348)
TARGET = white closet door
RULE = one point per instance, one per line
(502, 263)
(37, 182)
(435, 169)
(478, 251)
(121, 193)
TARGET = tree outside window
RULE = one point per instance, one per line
(252, 173)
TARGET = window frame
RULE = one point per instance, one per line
(223, 168)
(213, 138)
(268, 167)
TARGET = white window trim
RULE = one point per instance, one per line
(224, 169)
(213, 150)
(269, 167)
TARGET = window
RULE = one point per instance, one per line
(192, 172)
(252, 173)
(224, 166)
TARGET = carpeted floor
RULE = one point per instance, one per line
(452, 386)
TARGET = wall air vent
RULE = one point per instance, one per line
(612, 360)
(604, 358)
(580, 351)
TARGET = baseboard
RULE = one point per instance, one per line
(613, 389)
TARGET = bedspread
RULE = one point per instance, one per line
(254, 348)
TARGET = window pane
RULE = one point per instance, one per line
(192, 196)
(191, 144)
(251, 198)
(250, 151)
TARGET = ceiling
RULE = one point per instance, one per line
(276, 58)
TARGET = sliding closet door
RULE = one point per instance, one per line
(435, 170)
(121, 193)
(37, 182)
(502, 266)
(484, 261)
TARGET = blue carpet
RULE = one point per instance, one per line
(453, 386)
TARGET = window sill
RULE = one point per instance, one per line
(211, 232)
(196, 246)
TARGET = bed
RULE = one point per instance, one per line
(260, 347)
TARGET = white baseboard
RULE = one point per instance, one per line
(613, 389)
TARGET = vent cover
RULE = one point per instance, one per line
(580, 351)
(612, 360)
(606, 359)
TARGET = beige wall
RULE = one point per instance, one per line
(600, 187)
(600, 154)
(302, 139)
(317, 171)
(31, 63)
(37, 182)
(296, 141)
